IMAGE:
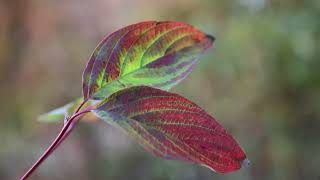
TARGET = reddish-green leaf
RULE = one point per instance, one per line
(172, 127)
(158, 54)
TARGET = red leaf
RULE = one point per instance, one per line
(172, 127)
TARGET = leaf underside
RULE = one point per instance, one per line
(158, 54)
(172, 127)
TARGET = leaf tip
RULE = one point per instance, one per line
(245, 163)
(212, 38)
(49, 118)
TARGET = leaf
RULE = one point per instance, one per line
(66, 110)
(172, 127)
(158, 54)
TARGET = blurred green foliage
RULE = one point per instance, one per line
(261, 81)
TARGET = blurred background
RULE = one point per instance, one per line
(261, 81)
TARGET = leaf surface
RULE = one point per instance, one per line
(158, 54)
(172, 127)
(58, 114)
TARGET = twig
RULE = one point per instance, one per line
(65, 131)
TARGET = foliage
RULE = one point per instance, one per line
(123, 76)
(172, 127)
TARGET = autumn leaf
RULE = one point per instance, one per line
(152, 53)
(158, 54)
(172, 127)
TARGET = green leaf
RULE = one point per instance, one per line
(66, 110)
(158, 54)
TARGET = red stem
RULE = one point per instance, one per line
(64, 131)
(67, 133)
(73, 124)
(80, 106)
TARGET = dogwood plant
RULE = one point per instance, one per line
(125, 83)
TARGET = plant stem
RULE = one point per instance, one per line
(73, 124)
(80, 106)
(56, 142)
(66, 134)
